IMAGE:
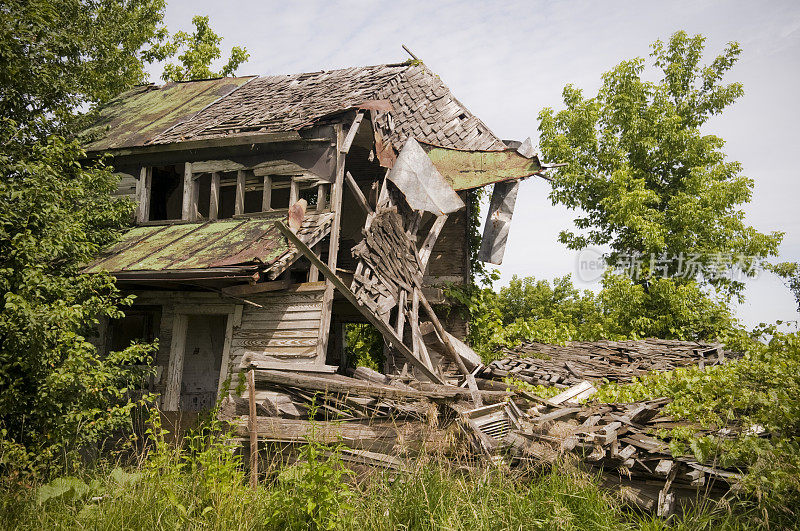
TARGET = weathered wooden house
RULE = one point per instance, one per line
(272, 210)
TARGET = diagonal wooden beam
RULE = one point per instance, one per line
(360, 199)
(388, 334)
(426, 248)
(351, 133)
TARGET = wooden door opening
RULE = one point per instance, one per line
(202, 361)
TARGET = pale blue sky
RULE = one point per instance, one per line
(507, 61)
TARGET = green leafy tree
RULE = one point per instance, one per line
(58, 396)
(198, 51)
(59, 56)
(648, 180)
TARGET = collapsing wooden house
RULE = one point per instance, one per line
(273, 210)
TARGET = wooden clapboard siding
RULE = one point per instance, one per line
(126, 187)
(450, 255)
(286, 329)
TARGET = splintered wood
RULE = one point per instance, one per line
(388, 264)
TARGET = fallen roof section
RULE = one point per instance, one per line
(224, 248)
(619, 361)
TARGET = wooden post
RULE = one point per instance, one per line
(195, 211)
(313, 272)
(213, 204)
(322, 197)
(266, 194)
(294, 191)
(251, 424)
(224, 368)
(143, 187)
(172, 393)
(333, 248)
(188, 192)
(240, 182)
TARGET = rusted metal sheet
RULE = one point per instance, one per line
(183, 247)
(421, 183)
(464, 169)
(140, 114)
(498, 222)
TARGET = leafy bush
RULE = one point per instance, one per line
(364, 346)
(312, 494)
(60, 396)
(759, 394)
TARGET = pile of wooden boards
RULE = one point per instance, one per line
(388, 263)
(619, 440)
(619, 361)
(386, 421)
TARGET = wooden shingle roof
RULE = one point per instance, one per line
(423, 107)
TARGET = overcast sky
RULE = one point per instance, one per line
(506, 61)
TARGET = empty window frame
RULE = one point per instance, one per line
(165, 193)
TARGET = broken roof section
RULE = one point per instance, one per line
(422, 108)
(137, 116)
(225, 248)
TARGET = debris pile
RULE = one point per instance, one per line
(385, 421)
(618, 361)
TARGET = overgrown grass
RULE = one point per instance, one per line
(203, 485)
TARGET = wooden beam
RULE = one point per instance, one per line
(333, 249)
(187, 212)
(261, 287)
(294, 191)
(266, 195)
(450, 350)
(172, 393)
(240, 184)
(313, 272)
(359, 195)
(419, 345)
(374, 320)
(351, 133)
(143, 188)
(426, 248)
(252, 428)
(322, 197)
(224, 368)
(213, 203)
(195, 199)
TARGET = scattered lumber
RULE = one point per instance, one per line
(384, 420)
(619, 361)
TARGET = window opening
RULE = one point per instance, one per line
(166, 193)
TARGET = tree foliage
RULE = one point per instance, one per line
(60, 56)
(790, 273)
(198, 51)
(647, 179)
(60, 397)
